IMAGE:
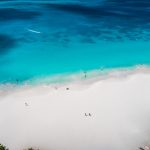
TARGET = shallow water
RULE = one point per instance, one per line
(45, 38)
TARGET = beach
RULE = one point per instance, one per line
(110, 113)
(75, 75)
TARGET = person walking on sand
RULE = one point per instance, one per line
(144, 148)
(26, 104)
(86, 115)
(90, 114)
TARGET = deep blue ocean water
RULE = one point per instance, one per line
(45, 38)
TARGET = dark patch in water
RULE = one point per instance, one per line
(6, 43)
(112, 20)
(137, 9)
(128, 3)
(115, 11)
(7, 14)
(88, 11)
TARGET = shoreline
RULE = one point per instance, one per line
(79, 77)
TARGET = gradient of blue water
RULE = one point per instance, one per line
(74, 36)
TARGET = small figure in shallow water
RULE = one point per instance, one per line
(85, 74)
(17, 81)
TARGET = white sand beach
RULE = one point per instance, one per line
(107, 114)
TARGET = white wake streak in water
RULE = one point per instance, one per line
(34, 31)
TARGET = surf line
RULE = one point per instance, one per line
(34, 31)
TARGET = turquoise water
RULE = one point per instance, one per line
(46, 38)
